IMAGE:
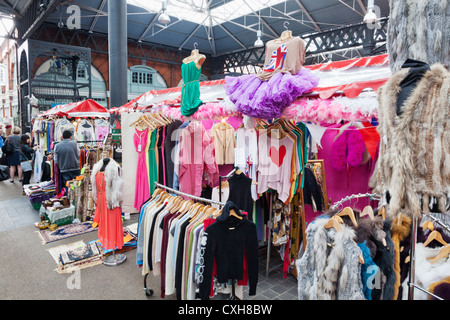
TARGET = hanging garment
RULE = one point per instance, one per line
(142, 192)
(101, 129)
(85, 132)
(283, 79)
(222, 134)
(246, 155)
(169, 146)
(62, 125)
(197, 159)
(426, 273)
(329, 268)
(190, 92)
(413, 167)
(278, 165)
(152, 159)
(229, 255)
(281, 218)
(107, 194)
(240, 193)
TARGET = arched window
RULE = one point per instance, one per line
(142, 79)
(98, 84)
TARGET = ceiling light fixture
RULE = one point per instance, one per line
(370, 16)
(259, 42)
(164, 17)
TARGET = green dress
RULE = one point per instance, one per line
(152, 164)
(190, 93)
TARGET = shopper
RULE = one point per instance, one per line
(26, 157)
(67, 157)
(12, 143)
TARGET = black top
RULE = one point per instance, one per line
(169, 144)
(227, 241)
(26, 153)
(240, 192)
(415, 74)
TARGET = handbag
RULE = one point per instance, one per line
(26, 165)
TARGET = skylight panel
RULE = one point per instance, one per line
(196, 11)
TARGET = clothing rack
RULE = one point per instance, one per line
(411, 283)
(412, 269)
(355, 196)
(188, 195)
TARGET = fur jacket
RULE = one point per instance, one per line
(399, 232)
(113, 179)
(329, 269)
(413, 168)
(418, 30)
(426, 274)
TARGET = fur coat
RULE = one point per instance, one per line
(427, 274)
(113, 181)
(418, 30)
(399, 232)
(329, 269)
(413, 168)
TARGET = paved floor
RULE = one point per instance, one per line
(27, 269)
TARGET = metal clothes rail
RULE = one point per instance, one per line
(188, 195)
(355, 196)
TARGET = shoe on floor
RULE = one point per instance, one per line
(12, 181)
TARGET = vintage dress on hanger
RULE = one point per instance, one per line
(283, 79)
(413, 168)
(190, 93)
(142, 192)
(107, 193)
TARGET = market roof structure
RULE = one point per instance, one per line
(216, 26)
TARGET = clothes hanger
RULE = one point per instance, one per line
(443, 253)
(428, 225)
(277, 126)
(178, 202)
(435, 235)
(367, 211)
(335, 223)
(348, 211)
(382, 213)
(238, 172)
(399, 219)
(234, 214)
(286, 34)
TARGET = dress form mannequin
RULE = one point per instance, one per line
(286, 35)
(106, 182)
(197, 57)
(190, 73)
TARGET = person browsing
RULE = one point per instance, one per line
(67, 157)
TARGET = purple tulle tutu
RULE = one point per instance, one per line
(267, 99)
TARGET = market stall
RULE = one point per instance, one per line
(89, 122)
(336, 117)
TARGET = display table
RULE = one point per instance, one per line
(59, 217)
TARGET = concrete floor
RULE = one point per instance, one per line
(27, 269)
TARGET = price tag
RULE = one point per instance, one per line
(139, 148)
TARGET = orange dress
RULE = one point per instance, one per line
(110, 229)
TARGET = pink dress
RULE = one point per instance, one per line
(110, 229)
(142, 192)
